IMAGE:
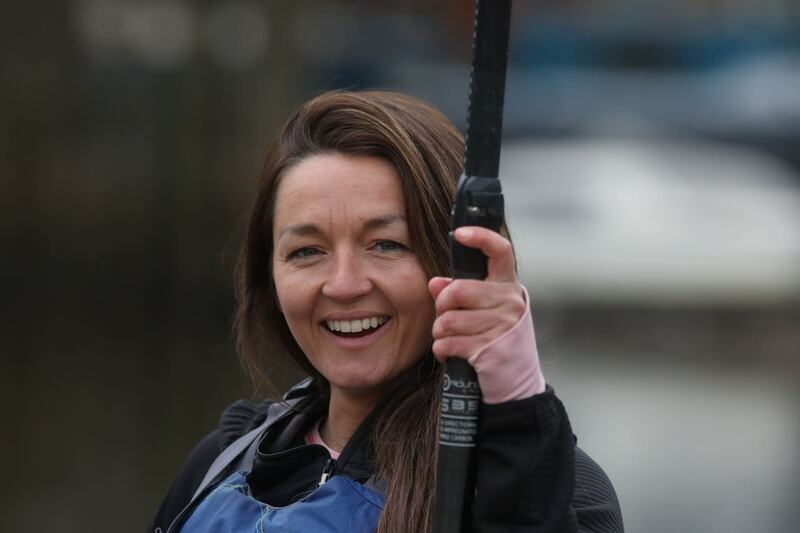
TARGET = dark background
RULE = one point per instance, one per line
(653, 180)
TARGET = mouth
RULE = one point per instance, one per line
(356, 328)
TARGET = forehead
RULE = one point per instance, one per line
(338, 186)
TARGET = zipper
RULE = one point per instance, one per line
(327, 472)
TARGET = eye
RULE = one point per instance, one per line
(303, 253)
(389, 246)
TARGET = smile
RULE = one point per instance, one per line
(356, 326)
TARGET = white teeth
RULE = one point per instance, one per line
(356, 326)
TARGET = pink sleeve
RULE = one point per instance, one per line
(508, 367)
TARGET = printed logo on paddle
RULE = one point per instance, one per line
(460, 403)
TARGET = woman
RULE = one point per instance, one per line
(344, 269)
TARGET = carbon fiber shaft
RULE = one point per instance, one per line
(478, 201)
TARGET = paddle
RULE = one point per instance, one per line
(478, 202)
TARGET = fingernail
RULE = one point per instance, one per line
(465, 233)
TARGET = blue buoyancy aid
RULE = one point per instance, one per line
(339, 505)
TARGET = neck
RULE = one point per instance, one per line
(345, 414)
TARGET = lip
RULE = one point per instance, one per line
(356, 343)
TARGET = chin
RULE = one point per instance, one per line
(357, 383)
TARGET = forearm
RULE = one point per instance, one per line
(526, 467)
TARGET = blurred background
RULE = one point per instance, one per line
(652, 171)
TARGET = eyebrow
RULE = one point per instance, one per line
(304, 230)
(380, 222)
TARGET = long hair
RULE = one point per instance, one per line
(426, 150)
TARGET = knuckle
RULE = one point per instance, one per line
(457, 292)
(451, 324)
(509, 323)
(441, 299)
(436, 330)
(504, 246)
(519, 306)
(436, 348)
(440, 327)
(442, 347)
(446, 324)
(442, 304)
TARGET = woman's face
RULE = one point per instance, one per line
(352, 291)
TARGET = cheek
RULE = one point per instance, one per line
(427, 315)
(296, 306)
(291, 298)
(417, 301)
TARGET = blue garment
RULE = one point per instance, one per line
(340, 505)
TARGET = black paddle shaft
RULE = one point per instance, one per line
(478, 202)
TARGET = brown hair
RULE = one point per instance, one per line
(426, 150)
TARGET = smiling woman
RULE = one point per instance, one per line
(344, 270)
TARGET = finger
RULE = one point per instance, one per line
(468, 322)
(476, 294)
(462, 347)
(437, 284)
(501, 265)
(464, 294)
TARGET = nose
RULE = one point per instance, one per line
(347, 279)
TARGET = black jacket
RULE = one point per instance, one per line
(531, 476)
